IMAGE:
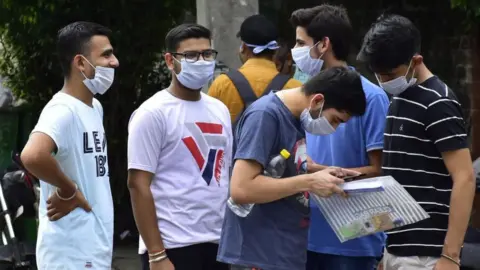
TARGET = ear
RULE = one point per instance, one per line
(417, 60)
(242, 47)
(317, 102)
(323, 45)
(79, 63)
(169, 60)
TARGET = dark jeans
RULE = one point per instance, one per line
(319, 261)
(471, 249)
(196, 257)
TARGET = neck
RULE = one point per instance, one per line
(295, 100)
(331, 61)
(181, 92)
(423, 73)
(78, 90)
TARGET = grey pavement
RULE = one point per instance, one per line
(126, 258)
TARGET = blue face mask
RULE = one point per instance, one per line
(300, 75)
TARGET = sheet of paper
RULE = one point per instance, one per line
(361, 186)
(372, 211)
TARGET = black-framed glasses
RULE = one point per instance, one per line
(192, 57)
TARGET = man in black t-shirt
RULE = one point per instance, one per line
(425, 148)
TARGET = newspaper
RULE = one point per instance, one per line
(374, 205)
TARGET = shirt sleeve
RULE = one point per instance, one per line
(146, 133)
(256, 137)
(98, 106)
(445, 125)
(55, 121)
(373, 122)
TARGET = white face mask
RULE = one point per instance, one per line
(305, 62)
(195, 75)
(102, 81)
(318, 126)
(398, 85)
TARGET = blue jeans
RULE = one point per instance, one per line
(319, 261)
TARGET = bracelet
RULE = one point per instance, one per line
(156, 254)
(158, 259)
(451, 259)
(69, 198)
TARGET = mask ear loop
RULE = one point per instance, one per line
(321, 109)
(315, 46)
(178, 61)
(413, 72)
(90, 65)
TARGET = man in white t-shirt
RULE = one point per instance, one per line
(67, 150)
(179, 152)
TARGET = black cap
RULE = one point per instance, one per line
(257, 30)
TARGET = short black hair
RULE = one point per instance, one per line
(327, 21)
(342, 89)
(390, 42)
(183, 32)
(75, 39)
(258, 30)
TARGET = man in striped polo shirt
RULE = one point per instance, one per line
(425, 148)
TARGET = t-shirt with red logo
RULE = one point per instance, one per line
(187, 146)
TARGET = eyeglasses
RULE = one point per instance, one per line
(192, 57)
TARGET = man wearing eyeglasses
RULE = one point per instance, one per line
(179, 152)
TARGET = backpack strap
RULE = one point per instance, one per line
(277, 83)
(243, 87)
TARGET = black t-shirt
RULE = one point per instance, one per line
(423, 122)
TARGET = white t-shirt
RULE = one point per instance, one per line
(79, 240)
(187, 145)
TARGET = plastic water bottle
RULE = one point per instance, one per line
(276, 167)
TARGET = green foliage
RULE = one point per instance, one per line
(28, 62)
(471, 9)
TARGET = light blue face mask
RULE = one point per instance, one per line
(300, 75)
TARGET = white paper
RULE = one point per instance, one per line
(366, 185)
(369, 212)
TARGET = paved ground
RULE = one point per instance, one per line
(126, 258)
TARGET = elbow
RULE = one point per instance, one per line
(132, 185)
(137, 185)
(29, 158)
(239, 195)
(466, 178)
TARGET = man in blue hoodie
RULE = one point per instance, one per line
(323, 39)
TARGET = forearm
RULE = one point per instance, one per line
(369, 171)
(263, 189)
(463, 192)
(146, 218)
(46, 168)
(314, 167)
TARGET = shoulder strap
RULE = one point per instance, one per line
(243, 87)
(277, 83)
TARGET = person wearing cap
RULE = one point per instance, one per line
(257, 50)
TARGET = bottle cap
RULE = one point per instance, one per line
(285, 154)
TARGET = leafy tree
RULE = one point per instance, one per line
(28, 62)
(471, 9)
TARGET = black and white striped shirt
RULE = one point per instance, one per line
(423, 122)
